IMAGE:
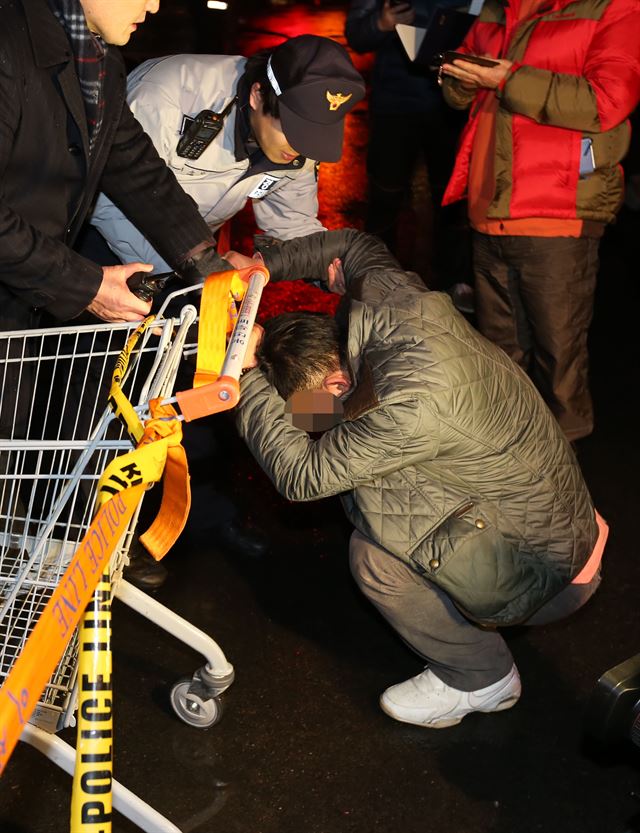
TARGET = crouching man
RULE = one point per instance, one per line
(469, 508)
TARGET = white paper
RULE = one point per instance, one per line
(476, 7)
(411, 37)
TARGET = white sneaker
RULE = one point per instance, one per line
(426, 701)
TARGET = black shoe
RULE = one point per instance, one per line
(143, 571)
(463, 298)
(241, 541)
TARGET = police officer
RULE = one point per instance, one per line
(234, 129)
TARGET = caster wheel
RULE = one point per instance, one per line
(192, 709)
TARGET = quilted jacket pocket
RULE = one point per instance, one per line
(489, 579)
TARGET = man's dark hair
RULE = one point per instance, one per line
(255, 70)
(299, 350)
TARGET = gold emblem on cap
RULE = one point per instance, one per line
(337, 99)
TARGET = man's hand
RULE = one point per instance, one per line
(114, 302)
(335, 277)
(474, 76)
(252, 345)
(391, 15)
(240, 261)
(335, 273)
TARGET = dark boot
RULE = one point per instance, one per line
(143, 571)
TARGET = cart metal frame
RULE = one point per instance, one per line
(55, 442)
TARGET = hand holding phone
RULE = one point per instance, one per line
(477, 73)
(146, 286)
(450, 57)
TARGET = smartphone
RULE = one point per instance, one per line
(450, 57)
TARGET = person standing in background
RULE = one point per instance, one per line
(408, 122)
(539, 164)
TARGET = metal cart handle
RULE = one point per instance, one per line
(224, 393)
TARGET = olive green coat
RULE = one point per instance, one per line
(447, 455)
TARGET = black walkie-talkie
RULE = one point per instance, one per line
(202, 131)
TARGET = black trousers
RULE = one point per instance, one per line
(397, 144)
(534, 298)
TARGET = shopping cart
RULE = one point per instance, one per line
(52, 453)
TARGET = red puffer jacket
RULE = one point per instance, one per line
(575, 75)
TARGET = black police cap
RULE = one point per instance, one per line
(317, 85)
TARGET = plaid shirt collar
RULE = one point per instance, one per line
(89, 53)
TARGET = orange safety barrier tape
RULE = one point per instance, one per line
(91, 801)
(34, 666)
(164, 424)
(176, 490)
(218, 315)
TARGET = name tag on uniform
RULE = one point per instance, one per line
(263, 187)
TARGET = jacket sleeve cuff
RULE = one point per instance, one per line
(515, 66)
(76, 295)
(454, 95)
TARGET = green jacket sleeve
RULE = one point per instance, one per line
(362, 255)
(455, 94)
(350, 454)
(601, 97)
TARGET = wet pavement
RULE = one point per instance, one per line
(302, 746)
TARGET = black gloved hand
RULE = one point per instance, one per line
(193, 271)
(196, 268)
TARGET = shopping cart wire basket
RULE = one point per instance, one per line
(55, 442)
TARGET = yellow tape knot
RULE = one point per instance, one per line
(163, 424)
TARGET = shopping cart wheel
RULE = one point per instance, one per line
(193, 709)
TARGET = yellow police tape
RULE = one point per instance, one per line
(120, 405)
(91, 799)
(176, 495)
(91, 803)
(47, 642)
(91, 795)
(221, 292)
(127, 475)
(120, 490)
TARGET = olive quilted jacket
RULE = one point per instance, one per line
(447, 455)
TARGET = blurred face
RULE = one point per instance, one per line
(116, 20)
(268, 131)
(313, 411)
